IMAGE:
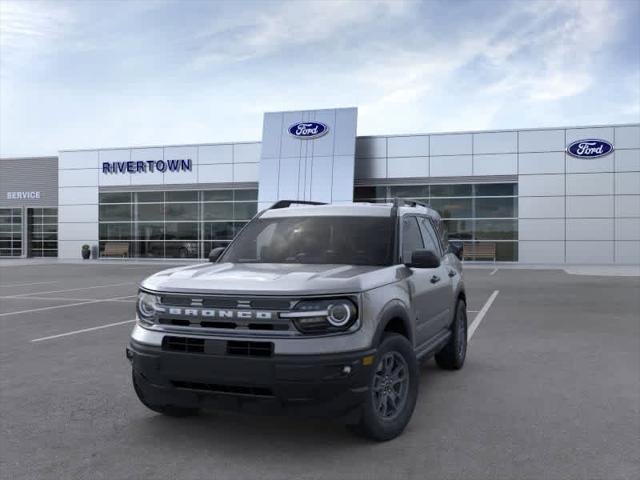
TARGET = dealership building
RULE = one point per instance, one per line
(544, 195)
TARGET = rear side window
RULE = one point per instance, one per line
(441, 231)
(411, 238)
(429, 236)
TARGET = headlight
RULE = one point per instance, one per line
(323, 315)
(146, 307)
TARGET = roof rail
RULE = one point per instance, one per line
(401, 202)
(288, 203)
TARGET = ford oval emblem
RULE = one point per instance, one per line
(590, 148)
(308, 130)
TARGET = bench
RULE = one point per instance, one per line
(116, 250)
(479, 251)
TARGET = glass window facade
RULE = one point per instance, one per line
(174, 224)
(10, 232)
(42, 228)
(472, 212)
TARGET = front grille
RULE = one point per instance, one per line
(250, 349)
(217, 347)
(230, 389)
(184, 307)
(183, 344)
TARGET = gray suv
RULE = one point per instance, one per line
(312, 309)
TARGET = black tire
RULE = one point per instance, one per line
(382, 424)
(452, 356)
(168, 410)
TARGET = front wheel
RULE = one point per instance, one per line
(452, 356)
(393, 390)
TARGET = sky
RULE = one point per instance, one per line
(86, 74)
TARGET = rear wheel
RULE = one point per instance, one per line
(169, 410)
(452, 356)
(393, 390)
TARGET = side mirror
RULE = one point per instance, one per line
(424, 259)
(215, 253)
(457, 249)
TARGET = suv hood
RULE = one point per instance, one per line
(270, 279)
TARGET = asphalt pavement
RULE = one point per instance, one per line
(551, 389)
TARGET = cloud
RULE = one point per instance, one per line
(28, 27)
(530, 53)
(288, 25)
(116, 73)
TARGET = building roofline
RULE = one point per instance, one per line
(418, 134)
(43, 157)
(207, 144)
(498, 130)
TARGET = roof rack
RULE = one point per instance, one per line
(288, 203)
(401, 202)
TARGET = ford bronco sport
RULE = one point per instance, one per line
(313, 309)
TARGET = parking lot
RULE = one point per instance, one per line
(550, 389)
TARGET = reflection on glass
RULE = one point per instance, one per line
(115, 231)
(150, 231)
(116, 197)
(362, 193)
(115, 213)
(245, 211)
(496, 189)
(150, 197)
(181, 211)
(245, 195)
(452, 207)
(409, 191)
(496, 207)
(149, 212)
(185, 196)
(456, 190)
(217, 211)
(496, 229)
(217, 195)
(181, 231)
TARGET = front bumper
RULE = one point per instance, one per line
(310, 385)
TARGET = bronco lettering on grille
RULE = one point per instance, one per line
(220, 313)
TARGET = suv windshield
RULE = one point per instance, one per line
(331, 240)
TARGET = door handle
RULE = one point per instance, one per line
(435, 279)
(452, 273)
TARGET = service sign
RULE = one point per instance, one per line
(589, 148)
(308, 130)
(23, 195)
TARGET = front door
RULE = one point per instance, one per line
(425, 284)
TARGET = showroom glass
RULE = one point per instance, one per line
(174, 224)
(10, 232)
(472, 212)
(315, 240)
(42, 228)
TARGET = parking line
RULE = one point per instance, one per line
(82, 331)
(118, 299)
(74, 289)
(493, 272)
(25, 284)
(476, 322)
(41, 309)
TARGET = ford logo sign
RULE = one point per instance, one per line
(590, 148)
(308, 130)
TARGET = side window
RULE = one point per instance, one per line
(430, 238)
(441, 230)
(411, 238)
